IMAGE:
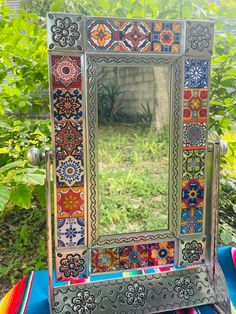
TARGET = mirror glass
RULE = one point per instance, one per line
(133, 107)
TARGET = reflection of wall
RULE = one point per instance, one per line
(162, 96)
(139, 86)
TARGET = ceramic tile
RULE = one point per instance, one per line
(104, 260)
(134, 36)
(192, 193)
(192, 251)
(71, 265)
(69, 139)
(67, 104)
(70, 202)
(102, 34)
(195, 105)
(70, 232)
(70, 172)
(191, 220)
(65, 31)
(193, 164)
(133, 256)
(165, 37)
(196, 73)
(194, 135)
(199, 37)
(161, 253)
(66, 72)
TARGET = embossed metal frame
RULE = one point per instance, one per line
(67, 36)
(93, 60)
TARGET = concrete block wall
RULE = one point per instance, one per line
(139, 86)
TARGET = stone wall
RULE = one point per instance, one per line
(140, 87)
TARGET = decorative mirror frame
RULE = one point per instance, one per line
(186, 275)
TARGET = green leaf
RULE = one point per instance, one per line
(31, 178)
(11, 165)
(41, 195)
(4, 196)
(228, 82)
(5, 125)
(21, 196)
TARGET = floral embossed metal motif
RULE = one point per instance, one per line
(65, 31)
(71, 266)
(199, 37)
(192, 251)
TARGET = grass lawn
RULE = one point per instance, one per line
(133, 179)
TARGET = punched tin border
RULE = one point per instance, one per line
(154, 288)
(174, 163)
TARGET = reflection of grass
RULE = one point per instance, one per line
(133, 175)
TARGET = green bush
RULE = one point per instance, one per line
(23, 79)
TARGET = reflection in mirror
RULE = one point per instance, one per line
(133, 104)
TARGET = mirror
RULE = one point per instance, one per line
(133, 106)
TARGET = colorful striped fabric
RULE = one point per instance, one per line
(233, 251)
(30, 295)
(16, 300)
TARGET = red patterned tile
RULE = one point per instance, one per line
(133, 256)
(161, 253)
(104, 260)
(70, 202)
(195, 105)
(66, 72)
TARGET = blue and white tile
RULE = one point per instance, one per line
(196, 73)
(70, 232)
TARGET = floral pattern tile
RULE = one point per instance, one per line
(70, 232)
(67, 104)
(70, 172)
(196, 73)
(191, 220)
(66, 71)
(165, 37)
(65, 31)
(70, 202)
(161, 253)
(194, 135)
(101, 34)
(104, 260)
(192, 251)
(192, 193)
(69, 139)
(199, 37)
(193, 164)
(134, 36)
(131, 35)
(195, 105)
(71, 265)
(133, 256)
